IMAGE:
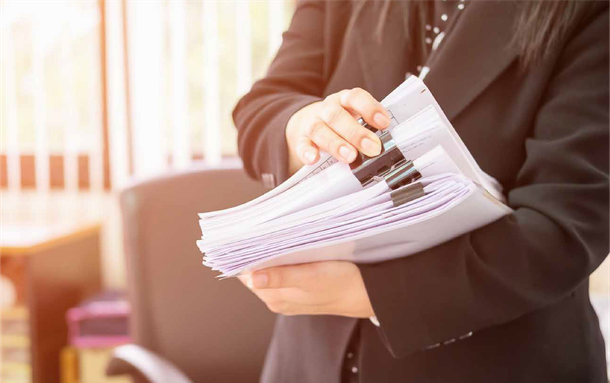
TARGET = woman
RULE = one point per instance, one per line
(525, 84)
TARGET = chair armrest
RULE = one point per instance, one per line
(150, 365)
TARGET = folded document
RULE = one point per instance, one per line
(424, 189)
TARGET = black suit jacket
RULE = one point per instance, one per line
(520, 284)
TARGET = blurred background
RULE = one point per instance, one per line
(98, 96)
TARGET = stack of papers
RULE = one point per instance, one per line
(329, 211)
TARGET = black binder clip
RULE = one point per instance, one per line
(408, 193)
(365, 167)
(389, 164)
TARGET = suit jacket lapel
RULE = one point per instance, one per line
(472, 55)
(384, 63)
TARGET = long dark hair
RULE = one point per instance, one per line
(539, 26)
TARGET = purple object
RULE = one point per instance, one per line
(102, 321)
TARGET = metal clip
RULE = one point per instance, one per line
(365, 167)
(402, 174)
(390, 165)
(407, 194)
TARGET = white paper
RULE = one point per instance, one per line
(324, 213)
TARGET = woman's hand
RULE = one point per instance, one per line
(331, 125)
(319, 288)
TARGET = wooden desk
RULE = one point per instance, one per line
(54, 264)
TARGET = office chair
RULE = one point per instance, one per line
(187, 326)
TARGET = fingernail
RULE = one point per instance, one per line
(259, 281)
(347, 153)
(371, 148)
(310, 156)
(381, 120)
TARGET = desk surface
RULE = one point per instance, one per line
(50, 251)
(26, 239)
(31, 222)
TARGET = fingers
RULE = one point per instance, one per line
(343, 123)
(336, 130)
(307, 150)
(284, 277)
(285, 301)
(331, 125)
(362, 103)
(329, 287)
(328, 140)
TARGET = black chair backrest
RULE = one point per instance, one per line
(213, 330)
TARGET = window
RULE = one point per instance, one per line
(95, 91)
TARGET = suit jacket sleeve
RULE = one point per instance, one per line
(556, 237)
(294, 80)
